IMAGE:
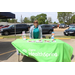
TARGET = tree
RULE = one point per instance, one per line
(72, 20)
(55, 22)
(3, 20)
(41, 20)
(61, 16)
(26, 20)
(32, 18)
(41, 15)
(49, 20)
(64, 16)
(46, 22)
(12, 20)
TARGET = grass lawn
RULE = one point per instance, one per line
(72, 37)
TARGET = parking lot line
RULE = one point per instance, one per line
(7, 52)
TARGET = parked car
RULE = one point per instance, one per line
(1, 25)
(71, 25)
(11, 29)
(67, 25)
(70, 31)
(54, 25)
(62, 26)
(4, 26)
(30, 25)
(47, 28)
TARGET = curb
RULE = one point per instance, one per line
(1, 37)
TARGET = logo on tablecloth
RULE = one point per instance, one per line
(33, 53)
(24, 50)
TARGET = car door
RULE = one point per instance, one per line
(47, 28)
(12, 29)
(43, 28)
(18, 28)
(25, 27)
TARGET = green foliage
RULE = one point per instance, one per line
(32, 18)
(55, 22)
(41, 15)
(12, 20)
(64, 17)
(26, 20)
(9, 20)
(46, 22)
(72, 20)
(41, 20)
(3, 20)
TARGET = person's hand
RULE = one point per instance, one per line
(41, 38)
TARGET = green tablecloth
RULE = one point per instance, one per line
(58, 51)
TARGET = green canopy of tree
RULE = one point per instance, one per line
(46, 22)
(12, 20)
(9, 20)
(72, 20)
(26, 20)
(55, 22)
(41, 18)
(64, 17)
(32, 18)
(3, 20)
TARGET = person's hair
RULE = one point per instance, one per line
(36, 20)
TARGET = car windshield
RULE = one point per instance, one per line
(73, 28)
(71, 25)
(11, 25)
(62, 24)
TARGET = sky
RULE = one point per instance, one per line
(53, 15)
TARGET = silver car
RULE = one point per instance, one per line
(71, 25)
(62, 26)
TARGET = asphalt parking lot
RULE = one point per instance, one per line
(8, 54)
(57, 33)
(6, 50)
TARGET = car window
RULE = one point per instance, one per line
(24, 25)
(47, 26)
(19, 26)
(73, 28)
(43, 26)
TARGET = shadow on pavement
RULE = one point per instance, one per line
(5, 48)
(28, 59)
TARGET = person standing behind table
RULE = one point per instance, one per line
(35, 31)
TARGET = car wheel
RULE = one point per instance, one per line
(50, 32)
(66, 34)
(6, 33)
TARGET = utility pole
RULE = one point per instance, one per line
(21, 19)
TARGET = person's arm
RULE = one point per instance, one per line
(30, 35)
(40, 33)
